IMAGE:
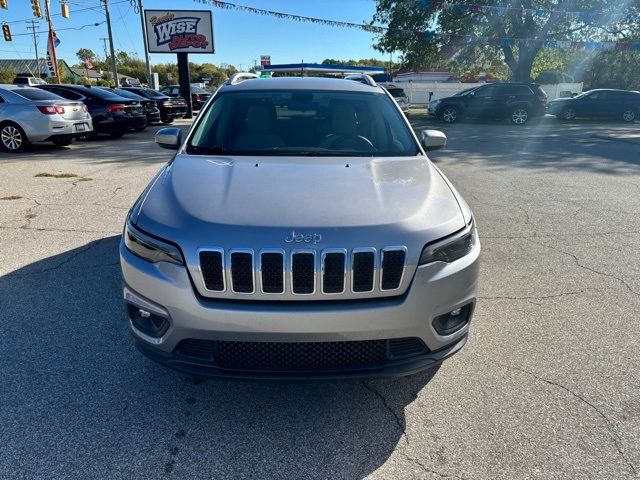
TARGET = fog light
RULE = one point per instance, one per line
(452, 321)
(148, 322)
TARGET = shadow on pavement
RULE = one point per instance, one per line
(80, 402)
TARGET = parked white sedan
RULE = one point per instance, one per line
(29, 115)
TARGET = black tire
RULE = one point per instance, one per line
(12, 138)
(63, 142)
(629, 115)
(167, 120)
(449, 114)
(519, 115)
(567, 114)
(141, 129)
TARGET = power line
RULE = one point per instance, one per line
(60, 14)
(66, 28)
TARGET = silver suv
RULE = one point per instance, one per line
(300, 231)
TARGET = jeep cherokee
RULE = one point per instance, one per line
(300, 231)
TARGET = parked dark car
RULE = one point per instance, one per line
(170, 108)
(516, 101)
(602, 103)
(111, 113)
(149, 107)
(199, 96)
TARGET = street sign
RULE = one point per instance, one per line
(265, 60)
(179, 31)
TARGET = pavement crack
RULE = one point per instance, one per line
(586, 267)
(610, 427)
(404, 436)
(64, 262)
(539, 297)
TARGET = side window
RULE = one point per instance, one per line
(1, 100)
(486, 91)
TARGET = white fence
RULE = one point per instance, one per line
(420, 93)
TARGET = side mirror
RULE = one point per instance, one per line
(433, 140)
(170, 138)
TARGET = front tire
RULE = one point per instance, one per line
(519, 115)
(567, 114)
(167, 120)
(629, 115)
(450, 114)
(12, 138)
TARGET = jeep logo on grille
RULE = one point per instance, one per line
(294, 237)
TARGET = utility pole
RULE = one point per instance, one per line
(54, 58)
(104, 44)
(113, 53)
(35, 27)
(146, 47)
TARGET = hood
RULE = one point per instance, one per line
(387, 197)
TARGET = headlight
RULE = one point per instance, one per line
(451, 248)
(149, 248)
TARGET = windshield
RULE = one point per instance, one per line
(195, 89)
(396, 92)
(303, 122)
(148, 92)
(465, 92)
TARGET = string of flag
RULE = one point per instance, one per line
(457, 38)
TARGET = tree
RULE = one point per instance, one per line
(7, 75)
(85, 54)
(516, 30)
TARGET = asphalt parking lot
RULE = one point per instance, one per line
(548, 385)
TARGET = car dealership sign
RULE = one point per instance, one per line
(179, 31)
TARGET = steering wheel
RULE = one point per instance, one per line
(345, 141)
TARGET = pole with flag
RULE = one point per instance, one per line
(52, 43)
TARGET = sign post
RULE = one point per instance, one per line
(181, 32)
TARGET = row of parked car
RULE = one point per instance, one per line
(520, 102)
(63, 113)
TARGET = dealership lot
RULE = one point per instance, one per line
(547, 387)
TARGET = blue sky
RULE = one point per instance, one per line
(240, 37)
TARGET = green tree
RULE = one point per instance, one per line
(468, 17)
(7, 75)
(85, 54)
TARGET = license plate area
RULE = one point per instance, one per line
(80, 127)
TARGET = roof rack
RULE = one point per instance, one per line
(240, 76)
(362, 78)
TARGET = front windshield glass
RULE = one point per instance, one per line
(303, 122)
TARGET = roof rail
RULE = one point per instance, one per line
(240, 76)
(362, 78)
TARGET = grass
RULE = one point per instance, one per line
(56, 175)
(11, 197)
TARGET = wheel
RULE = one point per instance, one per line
(13, 138)
(628, 115)
(519, 115)
(140, 129)
(449, 114)
(63, 142)
(567, 114)
(167, 120)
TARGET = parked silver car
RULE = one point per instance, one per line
(29, 115)
(300, 231)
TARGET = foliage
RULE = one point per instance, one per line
(614, 69)
(85, 54)
(419, 51)
(7, 75)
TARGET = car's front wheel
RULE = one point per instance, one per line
(12, 138)
(567, 114)
(449, 114)
(167, 120)
(629, 115)
(519, 115)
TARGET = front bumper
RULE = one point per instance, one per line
(166, 289)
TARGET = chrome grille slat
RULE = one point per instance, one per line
(273, 272)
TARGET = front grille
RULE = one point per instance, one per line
(242, 272)
(303, 272)
(299, 356)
